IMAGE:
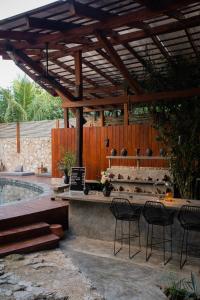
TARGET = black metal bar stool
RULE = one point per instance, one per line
(156, 214)
(189, 218)
(124, 211)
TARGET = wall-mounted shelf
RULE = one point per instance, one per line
(138, 181)
(137, 158)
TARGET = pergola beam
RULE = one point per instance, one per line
(134, 36)
(137, 56)
(53, 25)
(37, 80)
(83, 10)
(110, 23)
(144, 98)
(181, 18)
(40, 23)
(18, 35)
(157, 42)
(104, 89)
(96, 102)
(18, 55)
(72, 71)
(119, 63)
(93, 67)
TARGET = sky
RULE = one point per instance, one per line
(8, 8)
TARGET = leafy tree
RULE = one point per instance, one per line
(13, 111)
(45, 107)
(27, 101)
(178, 121)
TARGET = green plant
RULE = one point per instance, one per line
(177, 121)
(67, 161)
(184, 289)
(25, 101)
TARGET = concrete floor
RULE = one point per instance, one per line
(118, 277)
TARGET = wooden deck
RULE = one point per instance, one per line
(37, 210)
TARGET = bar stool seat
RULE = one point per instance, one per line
(165, 221)
(128, 216)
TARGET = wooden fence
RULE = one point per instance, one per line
(94, 149)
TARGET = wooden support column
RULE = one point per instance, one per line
(57, 124)
(18, 136)
(102, 119)
(79, 110)
(66, 118)
(126, 109)
(126, 117)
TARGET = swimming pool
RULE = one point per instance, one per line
(15, 190)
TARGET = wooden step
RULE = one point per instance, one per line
(28, 231)
(48, 241)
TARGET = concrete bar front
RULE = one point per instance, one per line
(90, 216)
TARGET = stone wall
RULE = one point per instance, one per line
(33, 152)
(145, 180)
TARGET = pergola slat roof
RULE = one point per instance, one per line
(116, 37)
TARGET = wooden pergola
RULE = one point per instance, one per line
(84, 50)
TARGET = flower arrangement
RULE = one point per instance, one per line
(106, 183)
(106, 178)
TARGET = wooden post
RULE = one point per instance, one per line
(57, 124)
(18, 136)
(102, 118)
(126, 119)
(66, 118)
(79, 137)
(79, 110)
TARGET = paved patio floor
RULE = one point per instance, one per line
(118, 277)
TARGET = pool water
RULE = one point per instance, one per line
(15, 190)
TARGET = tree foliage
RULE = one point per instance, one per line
(26, 101)
(178, 121)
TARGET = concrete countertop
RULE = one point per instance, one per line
(97, 197)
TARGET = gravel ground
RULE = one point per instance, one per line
(47, 275)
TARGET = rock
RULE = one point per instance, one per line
(59, 296)
(23, 295)
(17, 288)
(37, 284)
(25, 283)
(15, 257)
(12, 280)
(6, 275)
(34, 261)
(3, 281)
(2, 268)
(43, 265)
(8, 293)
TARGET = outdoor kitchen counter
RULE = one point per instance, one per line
(97, 197)
(90, 216)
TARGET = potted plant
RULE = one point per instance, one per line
(106, 184)
(65, 164)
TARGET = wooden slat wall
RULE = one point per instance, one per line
(95, 152)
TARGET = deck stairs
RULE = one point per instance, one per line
(28, 238)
